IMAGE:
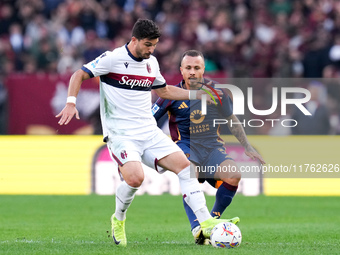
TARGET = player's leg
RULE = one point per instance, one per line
(194, 222)
(185, 147)
(196, 229)
(150, 161)
(171, 157)
(227, 190)
(127, 155)
(223, 196)
(133, 176)
(228, 172)
(191, 217)
(191, 190)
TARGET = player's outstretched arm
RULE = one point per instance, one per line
(238, 131)
(175, 93)
(70, 109)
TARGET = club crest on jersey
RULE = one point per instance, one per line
(123, 154)
(148, 67)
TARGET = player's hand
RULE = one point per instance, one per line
(214, 92)
(252, 153)
(67, 114)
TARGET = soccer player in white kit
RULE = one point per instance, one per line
(127, 75)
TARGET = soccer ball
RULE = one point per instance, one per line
(225, 235)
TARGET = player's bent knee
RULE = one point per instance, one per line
(237, 176)
(135, 181)
(233, 181)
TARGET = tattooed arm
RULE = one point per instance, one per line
(238, 131)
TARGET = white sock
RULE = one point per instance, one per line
(124, 196)
(193, 195)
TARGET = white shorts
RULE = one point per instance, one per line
(154, 146)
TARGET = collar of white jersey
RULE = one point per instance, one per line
(130, 54)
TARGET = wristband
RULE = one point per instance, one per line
(71, 99)
(192, 94)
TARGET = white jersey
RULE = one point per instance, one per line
(125, 91)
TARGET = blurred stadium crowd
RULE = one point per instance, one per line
(240, 38)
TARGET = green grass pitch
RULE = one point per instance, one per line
(158, 225)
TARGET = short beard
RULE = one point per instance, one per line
(140, 55)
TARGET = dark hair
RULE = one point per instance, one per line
(192, 53)
(145, 28)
